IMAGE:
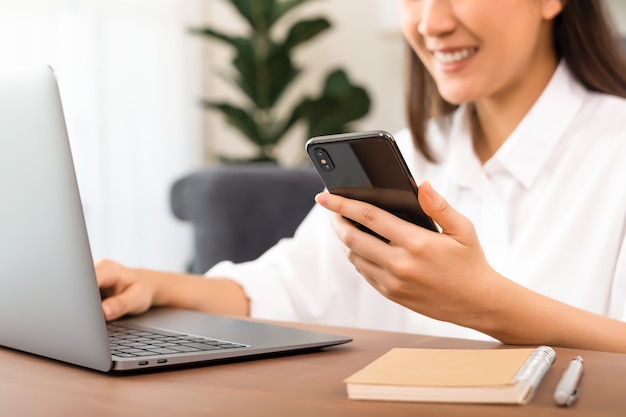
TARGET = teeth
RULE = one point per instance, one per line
(452, 57)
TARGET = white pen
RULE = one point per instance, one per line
(567, 389)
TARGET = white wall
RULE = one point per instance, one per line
(617, 9)
(127, 72)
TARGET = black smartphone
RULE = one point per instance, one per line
(368, 166)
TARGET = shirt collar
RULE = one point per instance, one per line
(527, 149)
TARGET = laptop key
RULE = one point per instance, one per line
(123, 355)
(144, 353)
(201, 346)
(229, 345)
(182, 348)
(161, 351)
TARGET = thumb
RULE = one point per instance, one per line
(438, 209)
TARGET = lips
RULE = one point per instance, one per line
(451, 57)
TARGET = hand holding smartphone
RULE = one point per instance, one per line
(368, 166)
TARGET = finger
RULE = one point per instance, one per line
(107, 273)
(128, 301)
(371, 257)
(359, 241)
(111, 309)
(368, 215)
(379, 277)
(438, 209)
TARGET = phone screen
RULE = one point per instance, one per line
(368, 166)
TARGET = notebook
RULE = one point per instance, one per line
(490, 376)
(49, 299)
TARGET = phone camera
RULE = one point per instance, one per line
(323, 160)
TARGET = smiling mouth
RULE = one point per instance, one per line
(456, 56)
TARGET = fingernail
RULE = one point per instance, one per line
(321, 199)
(429, 190)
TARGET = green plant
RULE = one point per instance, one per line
(262, 69)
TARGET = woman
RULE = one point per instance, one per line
(516, 117)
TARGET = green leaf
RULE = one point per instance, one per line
(244, 61)
(283, 7)
(256, 12)
(340, 103)
(281, 74)
(261, 15)
(235, 41)
(264, 79)
(304, 31)
(340, 113)
(237, 117)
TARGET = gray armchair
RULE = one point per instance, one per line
(239, 211)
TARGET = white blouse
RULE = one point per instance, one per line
(549, 209)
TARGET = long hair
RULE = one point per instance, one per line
(582, 36)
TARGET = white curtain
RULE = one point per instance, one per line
(129, 76)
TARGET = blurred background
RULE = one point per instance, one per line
(132, 76)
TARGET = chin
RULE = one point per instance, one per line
(457, 96)
(455, 99)
(459, 91)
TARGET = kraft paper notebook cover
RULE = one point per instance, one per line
(505, 376)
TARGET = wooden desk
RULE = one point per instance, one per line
(294, 386)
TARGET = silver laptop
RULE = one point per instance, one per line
(49, 299)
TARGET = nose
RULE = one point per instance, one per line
(437, 18)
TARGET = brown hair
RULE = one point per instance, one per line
(582, 36)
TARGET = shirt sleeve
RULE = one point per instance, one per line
(303, 278)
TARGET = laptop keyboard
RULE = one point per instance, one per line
(128, 342)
